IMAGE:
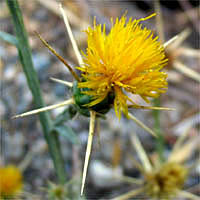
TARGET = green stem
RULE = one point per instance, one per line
(33, 83)
(160, 140)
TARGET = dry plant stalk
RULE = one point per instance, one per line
(174, 50)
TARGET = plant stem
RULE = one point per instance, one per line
(33, 83)
(160, 140)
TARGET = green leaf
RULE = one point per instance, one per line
(9, 38)
(67, 132)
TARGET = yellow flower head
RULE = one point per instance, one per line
(127, 59)
(10, 181)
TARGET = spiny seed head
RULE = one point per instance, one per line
(166, 181)
(126, 60)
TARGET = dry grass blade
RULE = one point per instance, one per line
(138, 122)
(159, 21)
(136, 163)
(188, 195)
(141, 152)
(130, 180)
(190, 52)
(89, 148)
(180, 140)
(186, 123)
(181, 37)
(69, 84)
(32, 112)
(130, 194)
(193, 18)
(73, 41)
(170, 41)
(186, 70)
(53, 6)
(183, 153)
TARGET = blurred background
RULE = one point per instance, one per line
(22, 140)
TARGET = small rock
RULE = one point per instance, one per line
(16, 143)
(10, 72)
(104, 176)
(40, 146)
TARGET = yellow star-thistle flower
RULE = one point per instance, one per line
(127, 59)
(10, 181)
